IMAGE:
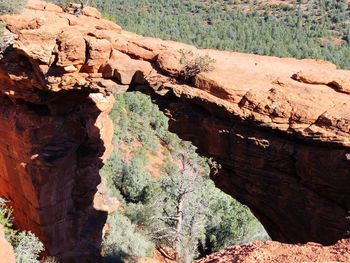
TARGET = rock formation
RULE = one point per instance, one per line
(277, 128)
(55, 132)
(274, 252)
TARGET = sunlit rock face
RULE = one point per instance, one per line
(6, 251)
(275, 252)
(278, 129)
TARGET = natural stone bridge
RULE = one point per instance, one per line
(278, 128)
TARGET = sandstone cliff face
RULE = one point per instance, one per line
(55, 132)
(278, 128)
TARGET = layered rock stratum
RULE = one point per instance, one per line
(278, 128)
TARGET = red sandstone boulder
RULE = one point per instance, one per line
(37, 44)
(146, 48)
(36, 4)
(93, 12)
(339, 79)
(71, 48)
(16, 24)
(99, 52)
(169, 63)
(134, 49)
(125, 69)
(53, 8)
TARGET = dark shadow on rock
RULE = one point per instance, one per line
(50, 157)
(295, 187)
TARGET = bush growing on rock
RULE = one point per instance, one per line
(133, 181)
(129, 178)
(122, 242)
(26, 245)
(11, 6)
(194, 64)
(6, 219)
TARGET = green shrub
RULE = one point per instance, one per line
(134, 181)
(2, 27)
(122, 242)
(211, 219)
(129, 178)
(229, 222)
(6, 219)
(11, 6)
(27, 247)
(194, 64)
(137, 119)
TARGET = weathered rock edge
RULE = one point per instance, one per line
(274, 252)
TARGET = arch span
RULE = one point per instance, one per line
(278, 131)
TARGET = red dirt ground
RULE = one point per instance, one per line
(275, 252)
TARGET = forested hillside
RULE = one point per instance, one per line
(166, 199)
(301, 29)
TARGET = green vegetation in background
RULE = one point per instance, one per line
(180, 208)
(26, 245)
(2, 27)
(11, 6)
(301, 31)
(123, 241)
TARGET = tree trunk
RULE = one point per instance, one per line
(179, 216)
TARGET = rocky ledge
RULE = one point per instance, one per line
(278, 128)
(274, 252)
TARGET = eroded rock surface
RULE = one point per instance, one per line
(278, 131)
(274, 252)
(55, 133)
